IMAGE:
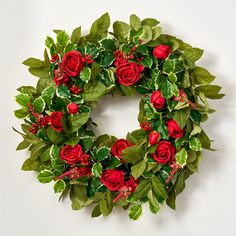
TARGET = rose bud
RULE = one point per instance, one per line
(72, 108)
(153, 137)
(161, 52)
(157, 100)
(174, 130)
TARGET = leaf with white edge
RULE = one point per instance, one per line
(181, 157)
(39, 105)
(50, 91)
(59, 186)
(166, 88)
(33, 62)
(103, 153)
(20, 114)
(138, 169)
(173, 65)
(193, 54)
(196, 130)
(195, 144)
(63, 91)
(23, 99)
(154, 205)
(97, 169)
(85, 74)
(45, 176)
(135, 212)
(172, 77)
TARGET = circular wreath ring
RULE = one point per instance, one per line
(152, 163)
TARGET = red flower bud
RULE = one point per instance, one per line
(161, 52)
(72, 108)
(153, 137)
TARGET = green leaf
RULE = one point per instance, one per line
(173, 65)
(142, 190)
(94, 90)
(158, 188)
(150, 22)
(166, 88)
(108, 44)
(106, 58)
(208, 90)
(106, 204)
(39, 72)
(153, 203)
(63, 91)
(99, 28)
(121, 29)
(30, 164)
(96, 211)
(54, 136)
(59, 186)
(146, 34)
(147, 62)
(23, 99)
(62, 38)
(170, 201)
(33, 62)
(76, 35)
(138, 169)
(195, 144)
(39, 105)
(49, 91)
(79, 120)
(85, 74)
(205, 141)
(23, 145)
(182, 116)
(103, 153)
(44, 83)
(113, 163)
(135, 22)
(127, 90)
(45, 176)
(196, 130)
(80, 192)
(97, 169)
(172, 77)
(193, 54)
(135, 212)
(202, 76)
(156, 32)
(20, 114)
(181, 157)
(132, 154)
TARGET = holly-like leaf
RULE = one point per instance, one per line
(63, 91)
(85, 74)
(181, 157)
(97, 169)
(173, 65)
(195, 144)
(45, 176)
(135, 212)
(23, 99)
(102, 153)
(59, 186)
(39, 105)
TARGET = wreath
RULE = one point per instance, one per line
(153, 162)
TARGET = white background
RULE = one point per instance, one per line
(206, 207)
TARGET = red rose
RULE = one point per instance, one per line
(174, 130)
(128, 73)
(55, 121)
(164, 153)
(119, 146)
(161, 52)
(72, 108)
(72, 63)
(153, 137)
(157, 100)
(71, 155)
(113, 179)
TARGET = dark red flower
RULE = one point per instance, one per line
(55, 121)
(164, 153)
(60, 77)
(72, 63)
(128, 73)
(113, 179)
(157, 100)
(75, 90)
(71, 155)
(161, 52)
(119, 146)
(174, 130)
(145, 126)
